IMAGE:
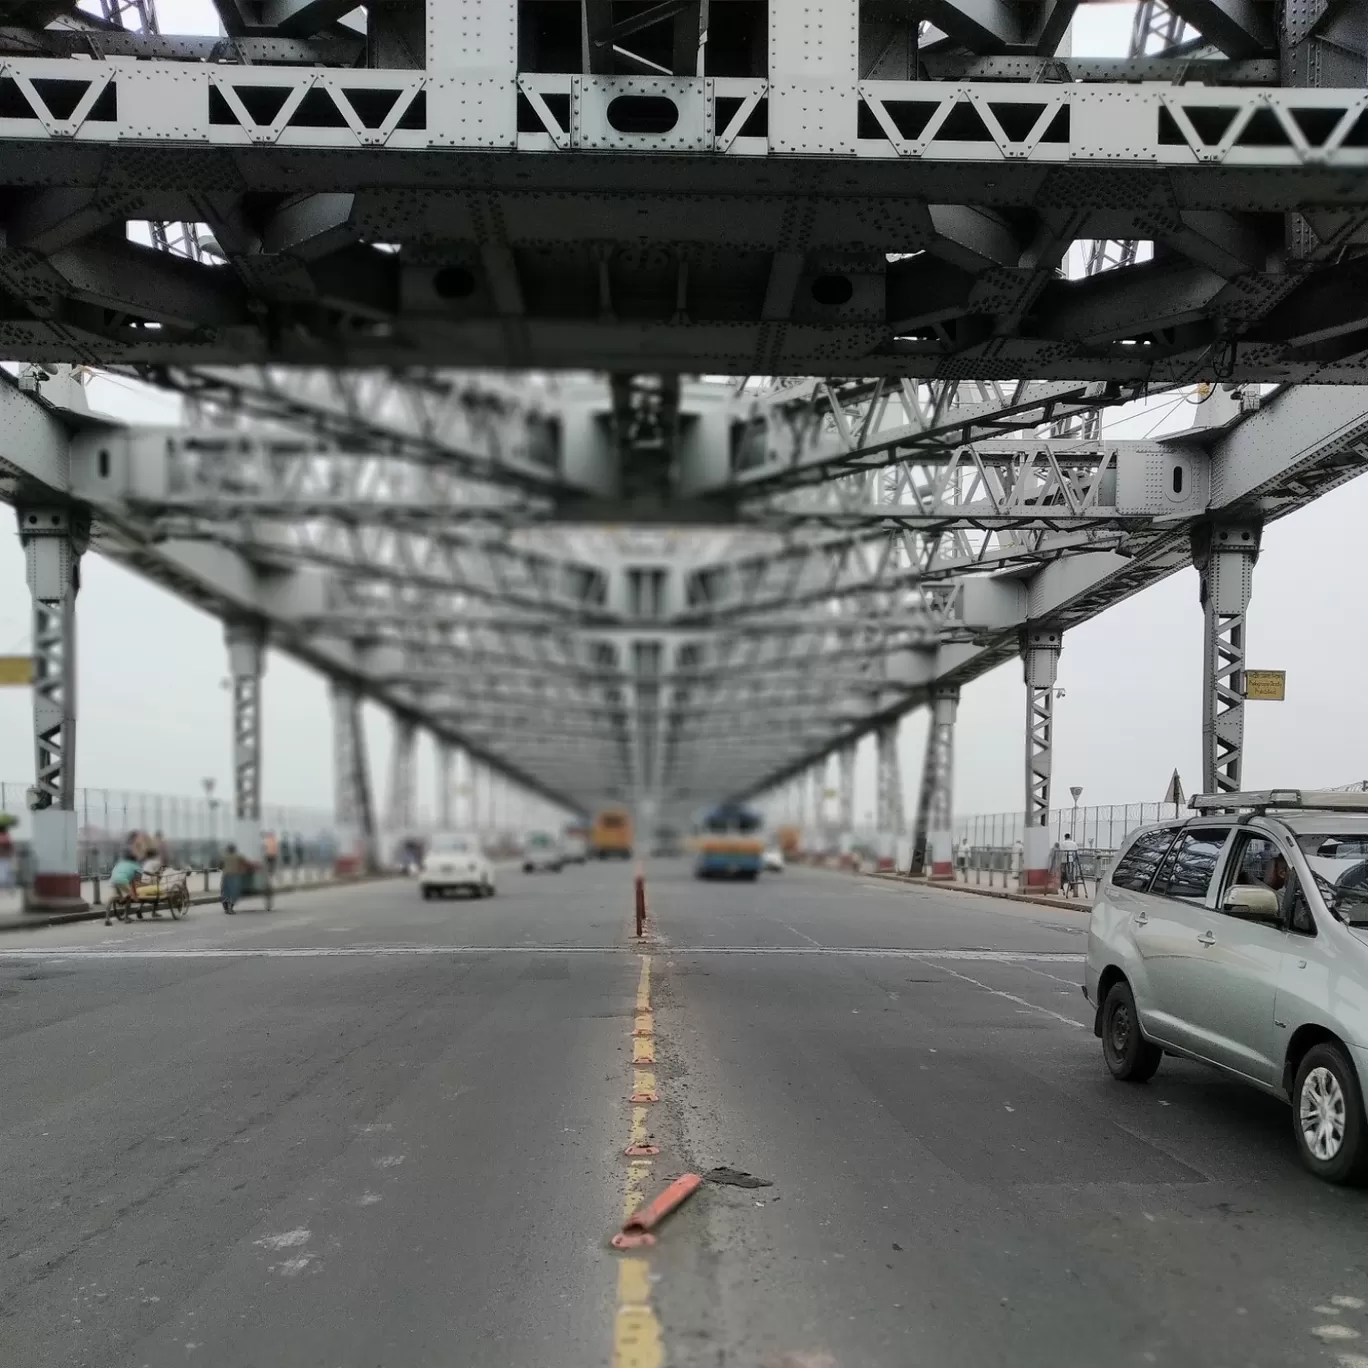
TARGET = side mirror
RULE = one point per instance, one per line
(1253, 902)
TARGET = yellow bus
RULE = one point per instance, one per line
(611, 835)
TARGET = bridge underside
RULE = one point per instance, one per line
(921, 253)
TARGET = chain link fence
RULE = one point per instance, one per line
(196, 829)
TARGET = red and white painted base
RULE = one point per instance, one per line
(56, 883)
(885, 848)
(942, 851)
(350, 860)
(1036, 874)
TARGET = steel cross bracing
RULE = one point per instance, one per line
(527, 654)
(869, 192)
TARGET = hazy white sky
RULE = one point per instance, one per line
(154, 716)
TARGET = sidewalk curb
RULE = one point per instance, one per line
(1040, 900)
(30, 921)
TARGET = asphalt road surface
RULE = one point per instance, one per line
(364, 1131)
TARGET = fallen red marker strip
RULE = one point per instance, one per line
(636, 1230)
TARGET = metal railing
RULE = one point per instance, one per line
(995, 840)
(196, 829)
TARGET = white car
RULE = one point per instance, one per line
(542, 852)
(773, 860)
(455, 861)
(1240, 938)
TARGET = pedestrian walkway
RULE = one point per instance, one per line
(204, 886)
(995, 884)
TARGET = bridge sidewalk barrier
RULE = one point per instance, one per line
(14, 918)
(958, 885)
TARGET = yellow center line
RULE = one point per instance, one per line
(636, 1329)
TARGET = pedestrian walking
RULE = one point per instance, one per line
(6, 852)
(1070, 873)
(233, 871)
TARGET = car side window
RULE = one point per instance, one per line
(1136, 867)
(1299, 916)
(1256, 862)
(1188, 867)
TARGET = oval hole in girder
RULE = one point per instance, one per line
(832, 290)
(454, 282)
(1177, 478)
(643, 114)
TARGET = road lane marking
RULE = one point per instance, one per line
(103, 952)
(637, 1340)
(998, 992)
(800, 935)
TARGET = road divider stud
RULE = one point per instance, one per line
(637, 1229)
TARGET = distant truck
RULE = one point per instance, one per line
(610, 837)
(730, 844)
(575, 844)
(790, 839)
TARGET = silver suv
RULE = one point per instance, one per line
(1240, 937)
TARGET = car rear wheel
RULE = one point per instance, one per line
(1129, 1056)
(1327, 1115)
(427, 894)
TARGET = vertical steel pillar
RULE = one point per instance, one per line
(1040, 655)
(351, 778)
(403, 778)
(888, 798)
(845, 798)
(54, 540)
(845, 803)
(446, 772)
(246, 664)
(921, 825)
(940, 757)
(1224, 554)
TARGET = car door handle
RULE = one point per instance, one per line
(1141, 920)
(1206, 938)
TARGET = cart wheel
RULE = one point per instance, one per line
(178, 902)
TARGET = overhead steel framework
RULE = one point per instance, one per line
(920, 251)
(846, 186)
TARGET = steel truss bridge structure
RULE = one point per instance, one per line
(652, 399)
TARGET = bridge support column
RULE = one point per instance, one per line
(1224, 554)
(352, 787)
(889, 800)
(446, 778)
(1040, 655)
(921, 824)
(845, 803)
(246, 664)
(403, 778)
(940, 767)
(54, 540)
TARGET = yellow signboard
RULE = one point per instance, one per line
(16, 670)
(1268, 686)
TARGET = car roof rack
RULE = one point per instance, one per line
(1284, 800)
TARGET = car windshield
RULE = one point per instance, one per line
(1340, 866)
(451, 845)
(539, 840)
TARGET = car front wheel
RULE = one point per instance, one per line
(1327, 1113)
(1129, 1056)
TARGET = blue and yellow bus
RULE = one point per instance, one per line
(729, 844)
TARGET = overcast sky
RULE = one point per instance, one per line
(154, 715)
